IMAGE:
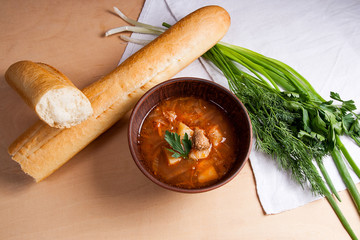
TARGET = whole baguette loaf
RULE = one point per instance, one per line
(42, 149)
(50, 93)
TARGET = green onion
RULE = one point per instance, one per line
(336, 155)
(327, 178)
(338, 212)
(347, 156)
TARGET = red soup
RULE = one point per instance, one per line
(206, 137)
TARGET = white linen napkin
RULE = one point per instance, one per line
(320, 39)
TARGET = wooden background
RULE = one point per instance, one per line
(100, 193)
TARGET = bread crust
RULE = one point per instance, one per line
(33, 80)
(41, 150)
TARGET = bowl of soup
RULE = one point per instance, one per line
(189, 135)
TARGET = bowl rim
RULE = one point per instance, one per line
(143, 168)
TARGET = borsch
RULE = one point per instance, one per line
(188, 142)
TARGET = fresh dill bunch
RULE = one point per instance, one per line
(272, 125)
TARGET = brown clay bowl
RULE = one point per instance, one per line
(210, 91)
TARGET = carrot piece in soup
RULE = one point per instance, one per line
(158, 126)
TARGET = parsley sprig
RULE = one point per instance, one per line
(179, 148)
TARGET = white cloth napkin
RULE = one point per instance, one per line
(320, 39)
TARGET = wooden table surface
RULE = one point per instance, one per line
(100, 193)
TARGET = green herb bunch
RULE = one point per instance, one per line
(294, 125)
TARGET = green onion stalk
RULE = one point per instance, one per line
(291, 121)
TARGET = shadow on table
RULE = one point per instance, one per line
(116, 176)
(11, 174)
(16, 116)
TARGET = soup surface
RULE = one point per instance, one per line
(213, 142)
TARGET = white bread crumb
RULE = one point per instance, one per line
(64, 107)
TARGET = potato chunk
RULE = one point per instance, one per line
(170, 158)
(182, 129)
(207, 175)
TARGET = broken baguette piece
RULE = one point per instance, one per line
(41, 150)
(50, 93)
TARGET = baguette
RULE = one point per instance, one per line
(42, 149)
(50, 93)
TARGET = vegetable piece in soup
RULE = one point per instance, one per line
(188, 142)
